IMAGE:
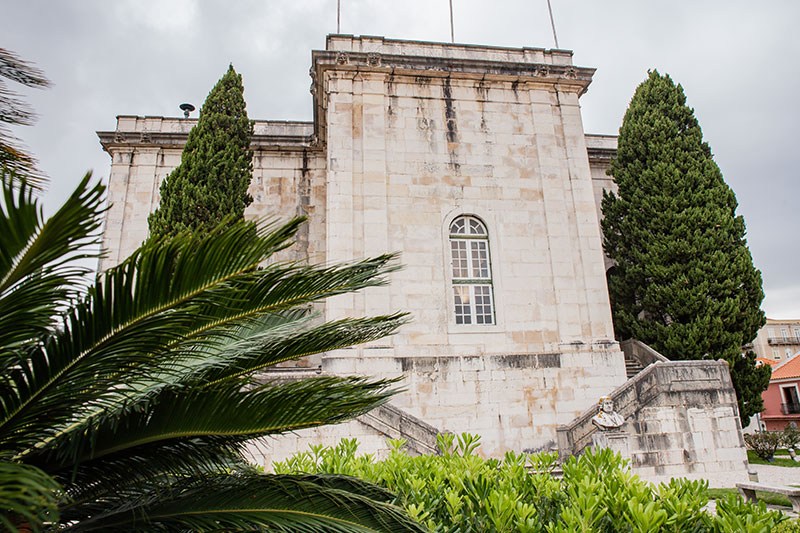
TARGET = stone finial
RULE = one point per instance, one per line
(606, 418)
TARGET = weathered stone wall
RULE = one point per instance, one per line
(288, 179)
(280, 447)
(409, 149)
(513, 401)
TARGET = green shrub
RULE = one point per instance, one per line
(790, 437)
(788, 526)
(458, 491)
(764, 443)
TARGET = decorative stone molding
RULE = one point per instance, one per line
(373, 59)
(570, 73)
(342, 58)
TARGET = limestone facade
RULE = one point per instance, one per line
(408, 139)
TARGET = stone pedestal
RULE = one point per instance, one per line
(617, 441)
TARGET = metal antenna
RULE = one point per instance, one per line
(552, 23)
(338, 16)
(452, 34)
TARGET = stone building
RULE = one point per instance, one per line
(472, 161)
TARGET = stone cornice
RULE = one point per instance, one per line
(116, 140)
(563, 76)
(601, 156)
(578, 77)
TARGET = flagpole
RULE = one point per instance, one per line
(452, 33)
(338, 16)
(552, 23)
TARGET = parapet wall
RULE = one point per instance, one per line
(681, 416)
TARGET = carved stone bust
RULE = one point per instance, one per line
(606, 418)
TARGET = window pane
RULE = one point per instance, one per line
(483, 304)
(475, 227)
(480, 259)
(458, 250)
(462, 303)
(458, 226)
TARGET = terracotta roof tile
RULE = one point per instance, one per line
(762, 361)
(788, 369)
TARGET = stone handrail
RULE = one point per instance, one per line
(658, 378)
(396, 423)
(638, 351)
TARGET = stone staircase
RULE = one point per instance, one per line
(638, 356)
(632, 367)
(387, 420)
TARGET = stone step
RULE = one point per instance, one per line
(632, 368)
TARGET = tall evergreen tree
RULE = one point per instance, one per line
(684, 280)
(211, 181)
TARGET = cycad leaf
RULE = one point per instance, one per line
(224, 412)
(28, 498)
(38, 274)
(278, 503)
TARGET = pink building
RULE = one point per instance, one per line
(782, 397)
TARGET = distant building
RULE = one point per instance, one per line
(778, 340)
(782, 397)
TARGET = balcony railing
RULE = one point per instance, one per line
(790, 408)
(784, 340)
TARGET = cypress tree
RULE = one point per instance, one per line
(211, 181)
(683, 280)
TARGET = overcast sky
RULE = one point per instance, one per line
(737, 61)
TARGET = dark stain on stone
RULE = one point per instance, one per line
(483, 97)
(392, 95)
(451, 126)
(449, 112)
(540, 360)
(304, 200)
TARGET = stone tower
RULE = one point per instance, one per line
(472, 162)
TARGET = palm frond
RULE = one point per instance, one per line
(27, 496)
(232, 362)
(124, 322)
(38, 274)
(94, 486)
(126, 329)
(279, 503)
(226, 412)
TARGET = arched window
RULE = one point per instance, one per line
(472, 271)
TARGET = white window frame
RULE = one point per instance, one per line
(472, 285)
(789, 387)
